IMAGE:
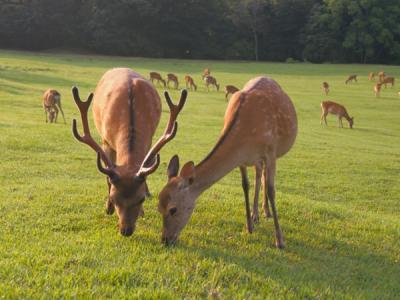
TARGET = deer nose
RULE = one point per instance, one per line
(127, 231)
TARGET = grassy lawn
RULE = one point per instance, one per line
(338, 193)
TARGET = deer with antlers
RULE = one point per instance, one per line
(335, 109)
(260, 125)
(351, 78)
(325, 87)
(174, 79)
(157, 76)
(206, 72)
(209, 80)
(126, 111)
(230, 89)
(386, 80)
(190, 83)
(51, 105)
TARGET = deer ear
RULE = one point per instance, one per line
(188, 172)
(173, 166)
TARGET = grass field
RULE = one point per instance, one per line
(338, 193)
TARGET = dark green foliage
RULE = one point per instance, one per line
(313, 30)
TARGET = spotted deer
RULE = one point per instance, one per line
(206, 72)
(335, 109)
(377, 89)
(371, 76)
(126, 112)
(174, 79)
(351, 78)
(388, 79)
(209, 80)
(260, 125)
(51, 105)
(230, 89)
(190, 83)
(157, 76)
(325, 87)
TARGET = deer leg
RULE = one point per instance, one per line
(56, 113)
(112, 155)
(245, 186)
(271, 168)
(45, 113)
(257, 184)
(62, 113)
(265, 206)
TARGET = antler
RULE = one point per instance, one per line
(87, 138)
(168, 135)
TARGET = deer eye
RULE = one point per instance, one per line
(172, 211)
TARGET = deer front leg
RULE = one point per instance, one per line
(245, 186)
(257, 185)
(112, 155)
(56, 113)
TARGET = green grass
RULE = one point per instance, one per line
(337, 193)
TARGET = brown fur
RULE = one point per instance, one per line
(173, 78)
(230, 89)
(190, 83)
(209, 80)
(388, 79)
(206, 72)
(351, 78)
(260, 125)
(157, 76)
(325, 87)
(377, 89)
(51, 105)
(335, 109)
(371, 76)
(381, 75)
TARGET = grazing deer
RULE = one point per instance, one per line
(157, 76)
(335, 109)
(371, 76)
(351, 78)
(325, 87)
(381, 75)
(388, 79)
(206, 72)
(377, 89)
(52, 104)
(126, 112)
(260, 125)
(174, 79)
(190, 83)
(230, 89)
(209, 80)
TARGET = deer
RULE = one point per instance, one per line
(260, 125)
(377, 89)
(126, 112)
(190, 83)
(230, 89)
(325, 87)
(174, 79)
(157, 76)
(51, 105)
(371, 76)
(381, 75)
(206, 72)
(335, 109)
(351, 78)
(386, 80)
(209, 80)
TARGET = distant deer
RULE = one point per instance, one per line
(206, 72)
(371, 76)
(209, 80)
(157, 76)
(351, 78)
(230, 89)
(377, 89)
(52, 104)
(388, 79)
(325, 87)
(335, 109)
(172, 78)
(381, 75)
(190, 83)
(126, 111)
(260, 125)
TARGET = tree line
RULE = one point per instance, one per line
(362, 31)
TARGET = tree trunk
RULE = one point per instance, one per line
(255, 44)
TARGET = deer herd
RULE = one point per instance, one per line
(260, 126)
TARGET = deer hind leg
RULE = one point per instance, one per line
(270, 166)
(257, 185)
(245, 186)
(55, 112)
(112, 155)
(45, 113)
(62, 113)
(265, 205)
